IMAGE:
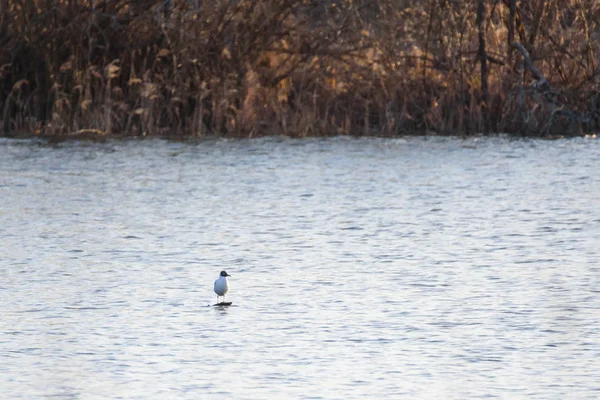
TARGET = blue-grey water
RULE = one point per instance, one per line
(361, 269)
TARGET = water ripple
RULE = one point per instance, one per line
(362, 268)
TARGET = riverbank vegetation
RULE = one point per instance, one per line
(244, 68)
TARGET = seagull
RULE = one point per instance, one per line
(222, 285)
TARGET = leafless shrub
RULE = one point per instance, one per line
(299, 68)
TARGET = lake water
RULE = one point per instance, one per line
(420, 268)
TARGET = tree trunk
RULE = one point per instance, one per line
(511, 22)
(482, 55)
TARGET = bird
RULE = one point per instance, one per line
(222, 285)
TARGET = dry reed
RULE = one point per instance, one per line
(175, 68)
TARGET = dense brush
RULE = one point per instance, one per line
(298, 68)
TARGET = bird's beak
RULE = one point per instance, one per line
(228, 275)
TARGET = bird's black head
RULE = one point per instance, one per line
(224, 273)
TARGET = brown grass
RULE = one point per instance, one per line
(299, 68)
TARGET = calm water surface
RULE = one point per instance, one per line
(361, 268)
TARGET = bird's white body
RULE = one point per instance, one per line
(221, 286)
